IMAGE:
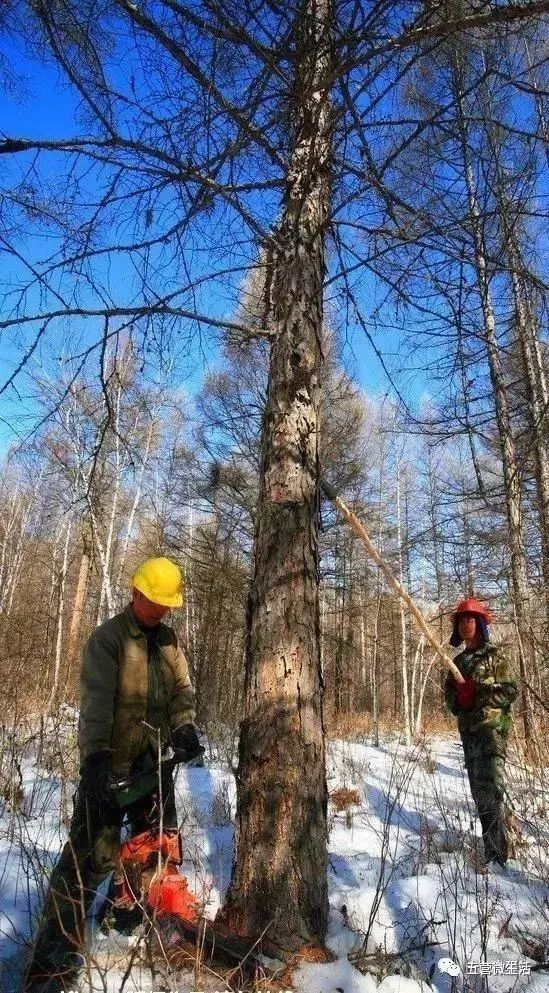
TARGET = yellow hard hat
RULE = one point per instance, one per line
(160, 580)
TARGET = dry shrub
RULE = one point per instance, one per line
(428, 844)
(439, 724)
(11, 789)
(423, 757)
(354, 726)
(343, 798)
(535, 752)
(221, 813)
(517, 837)
(349, 725)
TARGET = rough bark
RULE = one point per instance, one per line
(279, 873)
(536, 393)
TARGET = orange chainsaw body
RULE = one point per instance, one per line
(151, 863)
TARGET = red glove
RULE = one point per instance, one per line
(466, 693)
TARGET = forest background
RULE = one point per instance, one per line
(144, 173)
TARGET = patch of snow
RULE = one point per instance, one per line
(402, 882)
(401, 984)
(332, 977)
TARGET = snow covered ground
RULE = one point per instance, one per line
(411, 908)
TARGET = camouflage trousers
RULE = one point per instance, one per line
(91, 853)
(485, 751)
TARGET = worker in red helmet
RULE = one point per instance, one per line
(482, 706)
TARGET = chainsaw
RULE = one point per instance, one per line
(129, 790)
(151, 885)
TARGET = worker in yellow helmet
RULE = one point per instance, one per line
(136, 694)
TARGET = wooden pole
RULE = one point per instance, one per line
(418, 617)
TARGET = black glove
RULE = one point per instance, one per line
(95, 777)
(185, 740)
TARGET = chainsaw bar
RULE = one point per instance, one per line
(240, 952)
(129, 790)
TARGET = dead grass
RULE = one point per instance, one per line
(353, 726)
(439, 725)
(535, 753)
(344, 798)
(424, 758)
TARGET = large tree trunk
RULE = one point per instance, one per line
(279, 874)
(536, 393)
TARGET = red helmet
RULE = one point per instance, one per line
(472, 606)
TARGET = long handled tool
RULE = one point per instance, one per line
(418, 617)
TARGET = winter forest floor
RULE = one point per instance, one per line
(411, 907)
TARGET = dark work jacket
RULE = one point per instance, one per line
(125, 682)
(495, 690)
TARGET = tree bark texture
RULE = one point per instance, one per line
(279, 874)
(538, 400)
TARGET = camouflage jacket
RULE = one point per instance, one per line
(124, 681)
(495, 686)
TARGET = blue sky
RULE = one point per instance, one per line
(45, 107)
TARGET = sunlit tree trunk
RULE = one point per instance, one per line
(374, 672)
(61, 580)
(402, 618)
(279, 874)
(79, 605)
(537, 395)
